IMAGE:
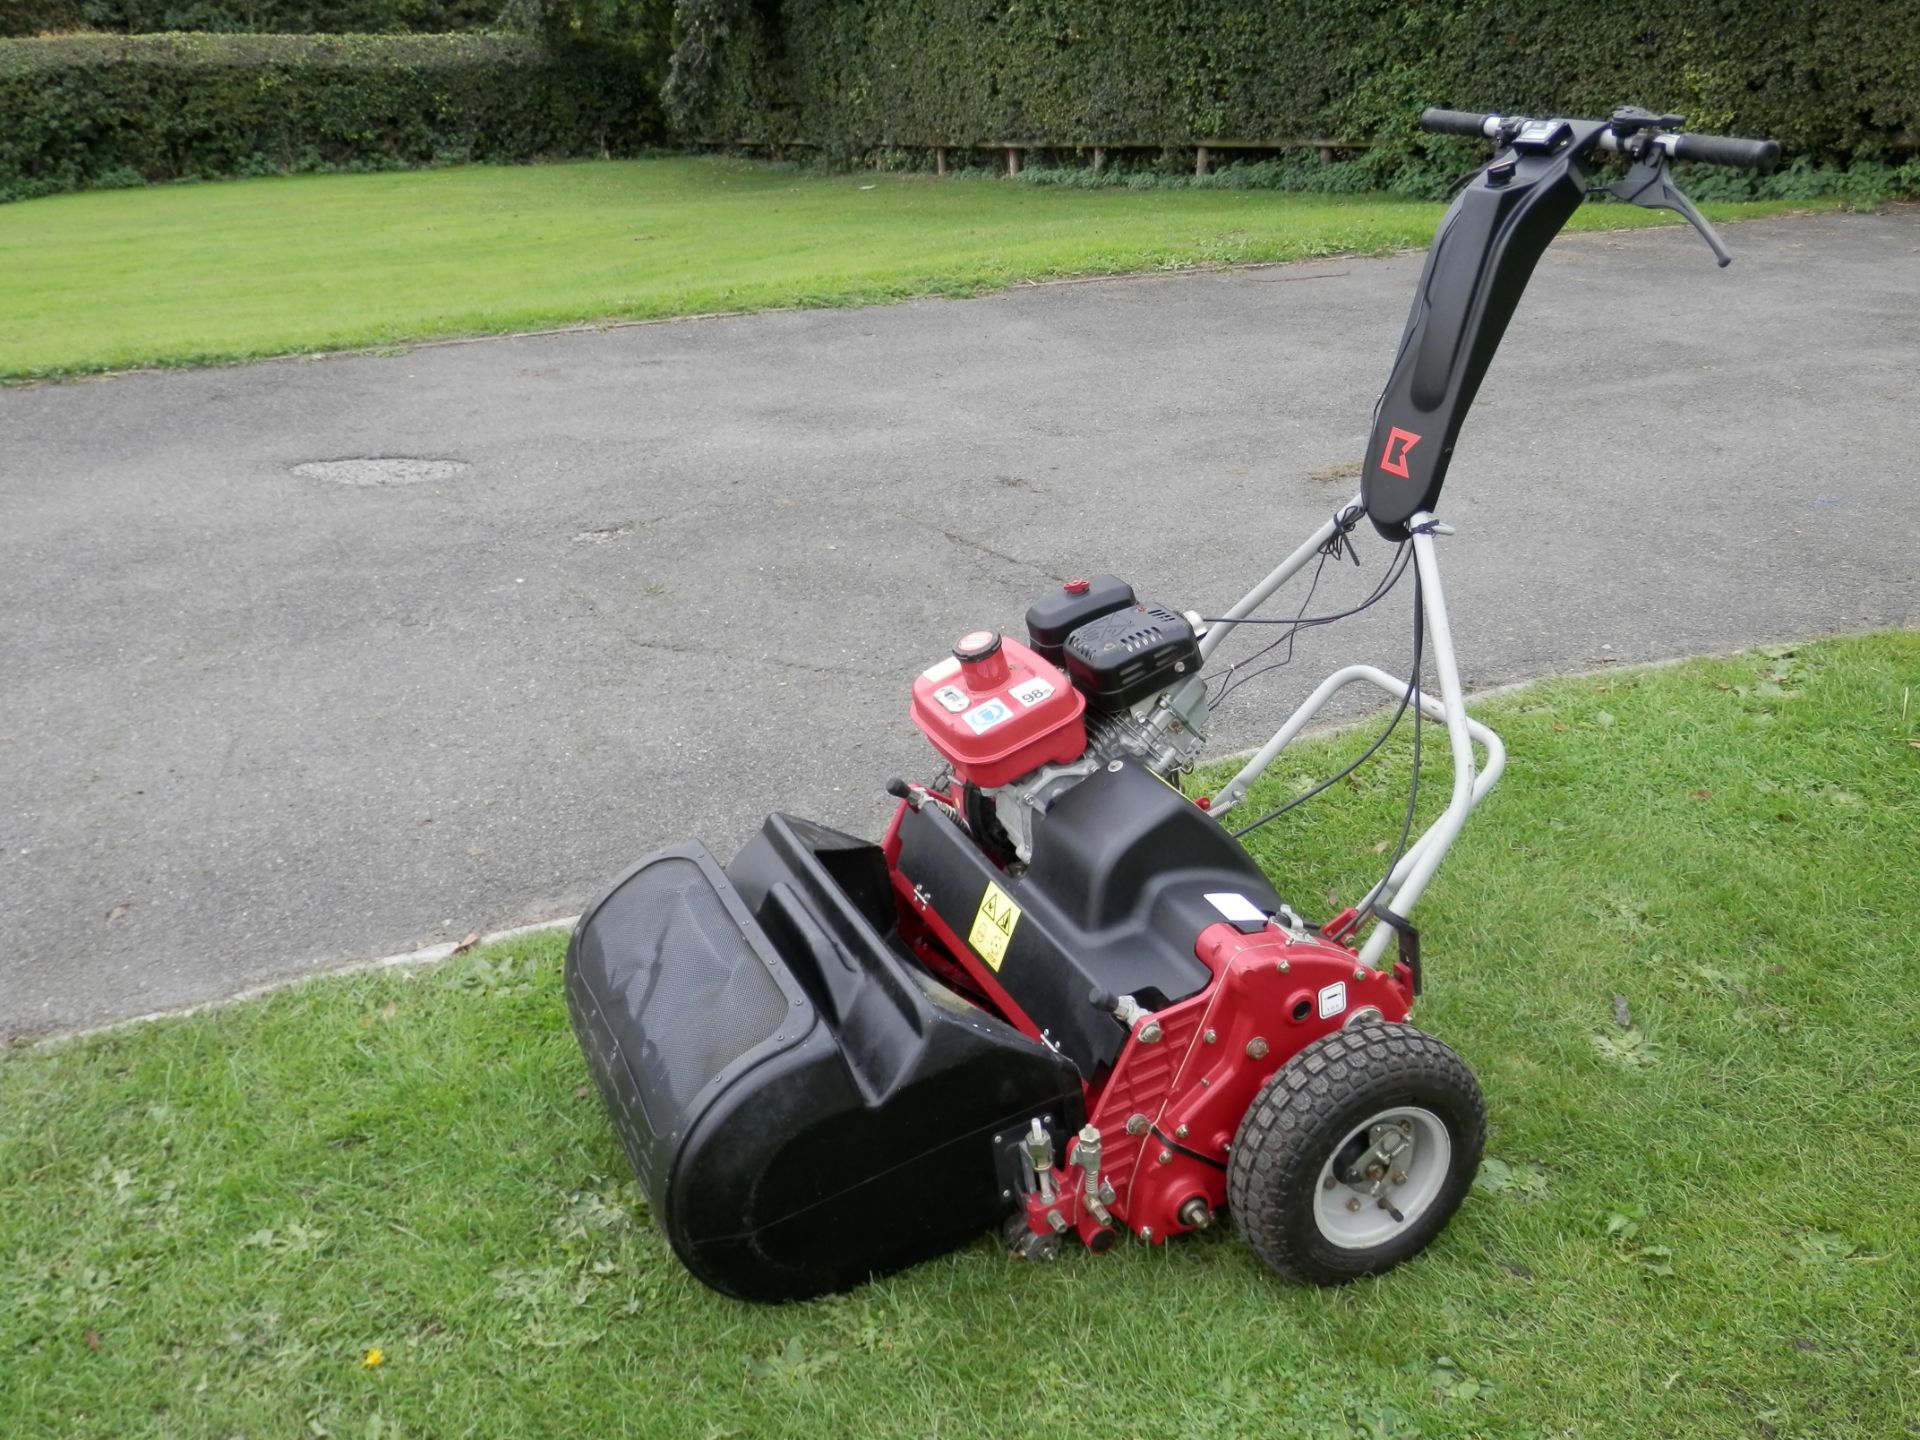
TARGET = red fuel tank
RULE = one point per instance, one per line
(996, 710)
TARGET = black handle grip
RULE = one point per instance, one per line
(1726, 150)
(1454, 122)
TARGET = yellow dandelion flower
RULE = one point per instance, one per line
(373, 1359)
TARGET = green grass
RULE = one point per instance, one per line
(192, 274)
(1700, 1225)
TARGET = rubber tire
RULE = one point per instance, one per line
(1308, 1107)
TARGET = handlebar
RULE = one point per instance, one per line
(1710, 149)
(1725, 150)
(1458, 122)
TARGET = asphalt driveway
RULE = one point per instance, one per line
(254, 720)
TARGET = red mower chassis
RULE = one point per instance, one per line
(1167, 1111)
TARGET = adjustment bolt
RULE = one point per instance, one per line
(1210, 1037)
(1166, 1157)
(1138, 1124)
(1360, 972)
(1150, 1033)
(1256, 1048)
(1180, 1132)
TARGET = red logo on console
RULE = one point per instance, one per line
(1393, 459)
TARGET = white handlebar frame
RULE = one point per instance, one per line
(1398, 891)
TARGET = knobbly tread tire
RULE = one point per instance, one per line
(1306, 1108)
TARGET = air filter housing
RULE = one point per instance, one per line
(1127, 655)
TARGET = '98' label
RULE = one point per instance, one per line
(1031, 692)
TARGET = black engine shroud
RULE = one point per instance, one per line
(1113, 902)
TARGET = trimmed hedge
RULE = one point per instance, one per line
(280, 17)
(1835, 80)
(94, 111)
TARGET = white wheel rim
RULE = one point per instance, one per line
(1372, 1220)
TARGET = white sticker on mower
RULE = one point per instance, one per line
(984, 717)
(1333, 999)
(945, 670)
(1236, 907)
(951, 696)
(993, 926)
(1031, 692)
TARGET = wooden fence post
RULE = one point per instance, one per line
(1200, 160)
(939, 159)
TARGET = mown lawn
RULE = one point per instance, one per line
(189, 274)
(1695, 1224)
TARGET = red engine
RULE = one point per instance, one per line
(1100, 912)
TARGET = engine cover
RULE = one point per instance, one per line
(1129, 654)
(996, 711)
(1122, 883)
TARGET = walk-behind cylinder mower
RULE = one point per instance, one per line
(1058, 997)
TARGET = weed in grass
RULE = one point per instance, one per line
(207, 1225)
(1525, 1180)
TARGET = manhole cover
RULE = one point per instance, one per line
(382, 470)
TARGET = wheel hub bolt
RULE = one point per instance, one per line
(1399, 1177)
(1328, 1183)
(1354, 1203)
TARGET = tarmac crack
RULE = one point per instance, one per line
(970, 544)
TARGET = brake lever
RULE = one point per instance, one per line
(1647, 185)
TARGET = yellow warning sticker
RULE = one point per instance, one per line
(993, 925)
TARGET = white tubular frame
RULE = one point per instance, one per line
(1402, 887)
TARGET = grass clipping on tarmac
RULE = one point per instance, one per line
(390, 1205)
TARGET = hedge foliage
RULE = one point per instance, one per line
(279, 17)
(93, 111)
(1835, 80)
